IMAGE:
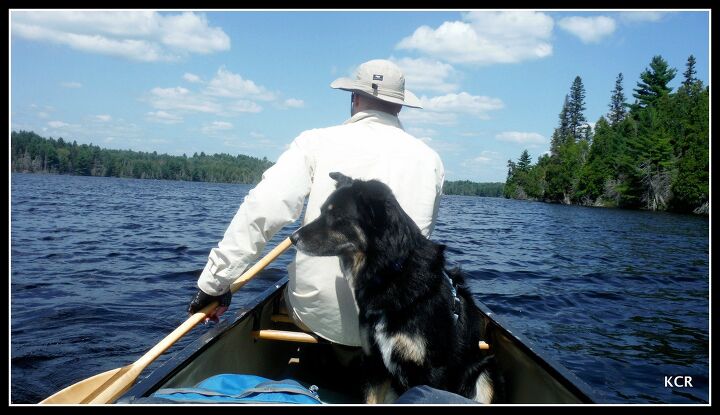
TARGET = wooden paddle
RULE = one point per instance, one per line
(106, 387)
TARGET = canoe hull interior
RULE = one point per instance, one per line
(230, 347)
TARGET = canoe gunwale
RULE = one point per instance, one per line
(183, 357)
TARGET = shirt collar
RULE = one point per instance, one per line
(376, 116)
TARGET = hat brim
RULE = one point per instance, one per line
(348, 84)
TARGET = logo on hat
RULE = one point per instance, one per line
(377, 77)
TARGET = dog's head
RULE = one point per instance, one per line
(358, 218)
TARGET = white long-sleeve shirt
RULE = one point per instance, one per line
(370, 145)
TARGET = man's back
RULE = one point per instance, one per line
(371, 145)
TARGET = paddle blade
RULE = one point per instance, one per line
(109, 386)
(79, 391)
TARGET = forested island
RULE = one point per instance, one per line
(31, 153)
(652, 154)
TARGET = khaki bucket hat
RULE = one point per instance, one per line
(380, 79)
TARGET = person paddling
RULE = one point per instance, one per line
(372, 144)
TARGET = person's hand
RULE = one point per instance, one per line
(200, 300)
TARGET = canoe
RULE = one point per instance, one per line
(261, 341)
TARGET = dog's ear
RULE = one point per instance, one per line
(341, 179)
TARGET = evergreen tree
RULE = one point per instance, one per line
(522, 182)
(652, 155)
(654, 83)
(576, 106)
(691, 145)
(509, 190)
(600, 165)
(617, 102)
(524, 161)
(562, 132)
(568, 148)
(690, 72)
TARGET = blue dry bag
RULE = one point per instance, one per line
(234, 388)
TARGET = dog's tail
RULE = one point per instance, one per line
(482, 381)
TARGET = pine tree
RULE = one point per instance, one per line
(617, 102)
(510, 186)
(691, 144)
(689, 74)
(562, 132)
(652, 155)
(576, 107)
(524, 161)
(654, 83)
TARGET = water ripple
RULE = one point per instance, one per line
(103, 268)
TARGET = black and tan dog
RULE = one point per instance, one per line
(419, 324)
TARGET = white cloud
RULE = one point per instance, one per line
(486, 37)
(588, 29)
(521, 137)
(463, 102)
(216, 126)
(61, 127)
(180, 98)
(293, 103)
(641, 16)
(192, 78)
(244, 106)
(137, 35)
(71, 84)
(486, 157)
(445, 109)
(226, 94)
(425, 74)
(419, 116)
(170, 92)
(57, 124)
(163, 117)
(103, 117)
(422, 132)
(231, 85)
(190, 32)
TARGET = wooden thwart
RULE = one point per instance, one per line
(301, 337)
(287, 336)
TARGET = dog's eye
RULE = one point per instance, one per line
(330, 207)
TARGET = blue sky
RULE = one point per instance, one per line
(248, 82)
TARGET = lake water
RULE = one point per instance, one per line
(103, 268)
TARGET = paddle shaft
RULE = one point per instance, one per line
(121, 381)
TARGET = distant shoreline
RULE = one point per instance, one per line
(31, 153)
(451, 188)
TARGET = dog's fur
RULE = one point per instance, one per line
(408, 331)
